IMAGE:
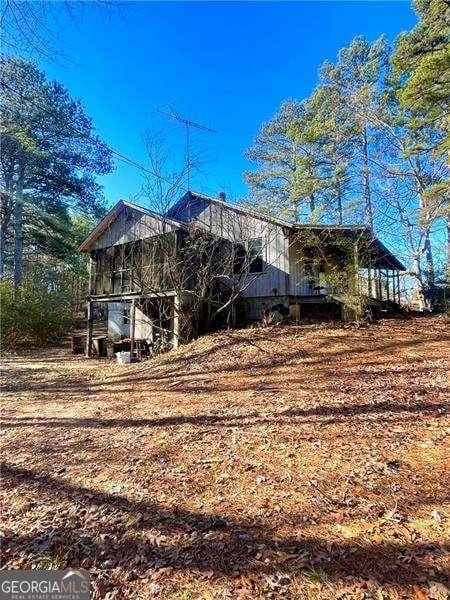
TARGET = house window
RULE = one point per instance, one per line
(126, 316)
(255, 255)
(239, 258)
(248, 256)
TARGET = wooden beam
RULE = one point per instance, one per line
(131, 295)
(90, 328)
(89, 311)
(132, 326)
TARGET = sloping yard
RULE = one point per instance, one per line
(290, 462)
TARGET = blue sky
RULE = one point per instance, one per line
(227, 65)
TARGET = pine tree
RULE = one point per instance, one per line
(357, 76)
(275, 154)
(49, 160)
(287, 156)
(422, 60)
(338, 130)
(421, 71)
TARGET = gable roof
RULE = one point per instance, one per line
(237, 208)
(384, 256)
(112, 215)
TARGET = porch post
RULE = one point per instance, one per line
(90, 328)
(398, 287)
(89, 311)
(369, 281)
(132, 326)
(388, 277)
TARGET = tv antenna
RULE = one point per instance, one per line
(187, 123)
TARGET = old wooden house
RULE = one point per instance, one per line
(208, 261)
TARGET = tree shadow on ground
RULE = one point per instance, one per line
(318, 355)
(292, 416)
(196, 541)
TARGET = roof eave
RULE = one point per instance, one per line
(86, 245)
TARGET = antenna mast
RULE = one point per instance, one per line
(187, 123)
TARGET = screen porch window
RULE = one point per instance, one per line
(315, 276)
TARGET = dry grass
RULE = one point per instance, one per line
(296, 462)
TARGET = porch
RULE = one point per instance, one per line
(320, 256)
(150, 319)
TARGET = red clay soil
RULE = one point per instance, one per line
(287, 462)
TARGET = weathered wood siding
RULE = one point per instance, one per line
(298, 283)
(239, 227)
(129, 226)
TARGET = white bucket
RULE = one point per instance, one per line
(123, 358)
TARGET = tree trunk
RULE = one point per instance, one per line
(2, 251)
(5, 221)
(18, 233)
(417, 273)
(366, 180)
(429, 261)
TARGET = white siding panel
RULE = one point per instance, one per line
(116, 326)
(143, 326)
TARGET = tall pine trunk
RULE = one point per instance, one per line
(418, 275)
(425, 224)
(366, 180)
(447, 274)
(3, 246)
(429, 261)
(5, 221)
(18, 233)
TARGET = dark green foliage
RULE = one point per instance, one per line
(422, 61)
(47, 132)
(36, 317)
(49, 162)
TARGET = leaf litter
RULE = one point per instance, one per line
(283, 462)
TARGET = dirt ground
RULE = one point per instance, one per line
(288, 462)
